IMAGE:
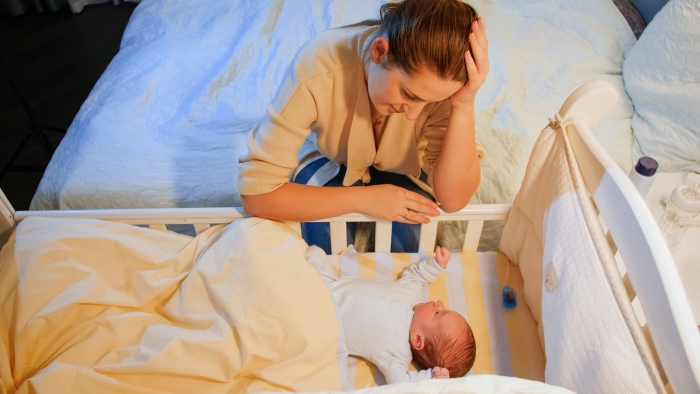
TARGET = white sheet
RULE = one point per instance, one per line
(166, 122)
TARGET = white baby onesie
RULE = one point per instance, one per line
(376, 316)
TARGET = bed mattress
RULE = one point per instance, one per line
(165, 124)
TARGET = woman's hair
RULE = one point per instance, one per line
(456, 354)
(431, 34)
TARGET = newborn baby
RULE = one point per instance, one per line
(388, 324)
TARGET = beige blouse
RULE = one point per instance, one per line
(322, 107)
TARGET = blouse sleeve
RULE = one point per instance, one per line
(274, 143)
(434, 132)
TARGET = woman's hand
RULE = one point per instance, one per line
(477, 67)
(397, 204)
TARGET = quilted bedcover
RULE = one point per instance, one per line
(165, 124)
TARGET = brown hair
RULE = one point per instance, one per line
(426, 33)
(455, 354)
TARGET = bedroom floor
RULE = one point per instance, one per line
(55, 59)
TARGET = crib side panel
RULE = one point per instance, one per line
(202, 218)
(651, 270)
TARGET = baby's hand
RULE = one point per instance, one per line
(442, 255)
(440, 373)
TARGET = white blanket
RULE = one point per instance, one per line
(89, 306)
(475, 384)
(165, 124)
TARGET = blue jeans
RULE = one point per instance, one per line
(404, 237)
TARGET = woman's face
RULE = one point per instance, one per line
(391, 90)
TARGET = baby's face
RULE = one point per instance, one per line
(432, 315)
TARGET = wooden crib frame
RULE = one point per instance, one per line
(652, 276)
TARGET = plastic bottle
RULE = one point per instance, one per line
(682, 208)
(643, 174)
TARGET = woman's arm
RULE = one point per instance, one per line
(457, 172)
(294, 202)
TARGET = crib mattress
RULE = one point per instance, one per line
(165, 124)
(506, 339)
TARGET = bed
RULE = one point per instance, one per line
(165, 124)
(175, 300)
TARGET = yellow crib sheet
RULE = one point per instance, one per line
(506, 339)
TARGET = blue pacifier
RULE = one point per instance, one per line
(510, 297)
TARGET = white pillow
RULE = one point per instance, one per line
(662, 76)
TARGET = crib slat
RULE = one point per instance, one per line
(471, 239)
(339, 237)
(613, 246)
(159, 227)
(631, 293)
(382, 240)
(199, 227)
(428, 234)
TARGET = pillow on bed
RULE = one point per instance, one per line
(662, 76)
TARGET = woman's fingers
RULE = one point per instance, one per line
(472, 71)
(481, 34)
(417, 208)
(418, 203)
(481, 58)
(395, 203)
(413, 217)
(479, 47)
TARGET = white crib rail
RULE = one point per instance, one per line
(202, 218)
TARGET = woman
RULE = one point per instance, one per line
(386, 110)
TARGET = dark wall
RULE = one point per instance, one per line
(649, 8)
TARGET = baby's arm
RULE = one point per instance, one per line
(401, 375)
(318, 259)
(427, 271)
(416, 376)
(395, 370)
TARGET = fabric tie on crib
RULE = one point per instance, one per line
(559, 123)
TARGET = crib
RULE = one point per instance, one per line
(665, 332)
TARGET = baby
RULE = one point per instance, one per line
(387, 324)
